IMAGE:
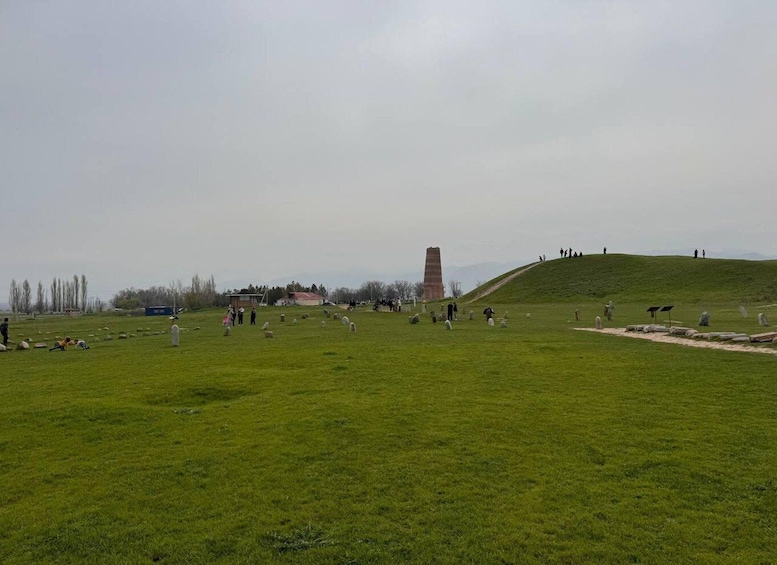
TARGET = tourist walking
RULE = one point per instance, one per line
(253, 316)
(4, 331)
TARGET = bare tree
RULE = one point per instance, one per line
(54, 301)
(83, 292)
(404, 289)
(418, 289)
(455, 288)
(14, 295)
(26, 297)
(39, 302)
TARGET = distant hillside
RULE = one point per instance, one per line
(636, 278)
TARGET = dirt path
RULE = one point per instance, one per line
(688, 342)
(501, 283)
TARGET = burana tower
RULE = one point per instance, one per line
(433, 287)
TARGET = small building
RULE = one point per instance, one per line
(159, 310)
(304, 299)
(246, 301)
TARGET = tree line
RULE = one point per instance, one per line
(58, 297)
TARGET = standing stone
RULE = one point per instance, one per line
(598, 323)
(346, 321)
(471, 315)
(434, 318)
(743, 311)
(22, 346)
(326, 312)
(423, 308)
(704, 319)
(352, 327)
(323, 323)
(174, 333)
(265, 326)
(448, 325)
(414, 319)
(503, 324)
(577, 315)
(268, 334)
(491, 322)
(283, 317)
(227, 331)
(762, 320)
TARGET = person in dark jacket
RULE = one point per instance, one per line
(4, 331)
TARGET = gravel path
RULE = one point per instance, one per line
(687, 341)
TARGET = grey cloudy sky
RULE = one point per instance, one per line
(146, 141)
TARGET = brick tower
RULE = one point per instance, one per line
(433, 287)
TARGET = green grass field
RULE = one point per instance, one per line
(398, 444)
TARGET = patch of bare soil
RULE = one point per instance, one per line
(687, 341)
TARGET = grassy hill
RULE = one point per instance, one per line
(635, 278)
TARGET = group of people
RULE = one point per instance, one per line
(235, 317)
(394, 305)
(569, 254)
(696, 254)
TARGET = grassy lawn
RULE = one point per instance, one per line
(398, 444)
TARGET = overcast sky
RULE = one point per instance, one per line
(146, 141)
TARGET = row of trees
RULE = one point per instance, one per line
(61, 295)
(370, 291)
(199, 294)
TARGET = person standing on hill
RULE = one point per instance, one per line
(703, 254)
(253, 316)
(4, 331)
(695, 253)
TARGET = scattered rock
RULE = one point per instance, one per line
(346, 321)
(763, 338)
(352, 327)
(3, 347)
(414, 319)
(704, 319)
(124, 336)
(40, 345)
(268, 334)
(471, 315)
(22, 346)
(336, 316)
(598, 323)
(503, 324)
(107, 338)
(323, 323)
(763, 320)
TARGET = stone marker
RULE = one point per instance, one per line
(125, 336)
(704, 319)
(41, 345)
(577, 315)
(352, 327)
(505, 316)
(491, 322)
(265, 326)
(22, 346)
(434, 318)
(448, 325)
(414, 319)
(323, 323)
(326, 312)
(346, 321)
(423, 308)
(598, 323)
(174, 334)
(227, 331)
(743, 311)
(503, 324)
(3, 347)
(471, 315)
(268, 334)
(763, 320)
(336, 316)
(283, 317)
(107, 338)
